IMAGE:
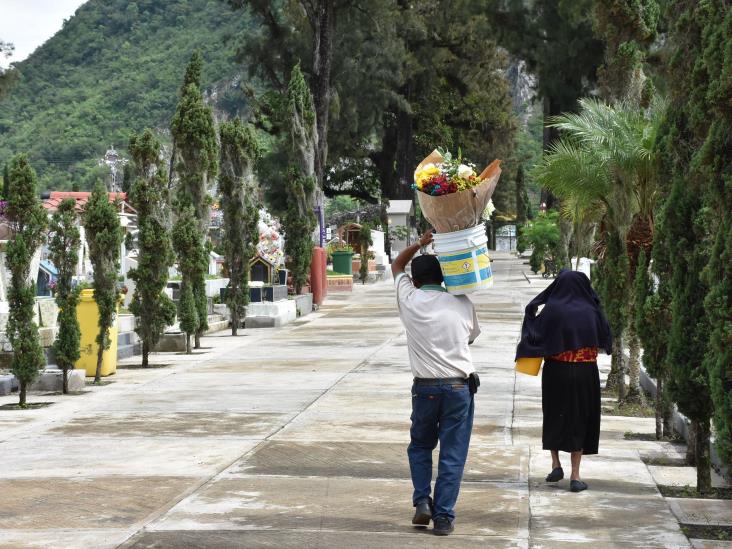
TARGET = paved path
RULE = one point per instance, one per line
(296, 437)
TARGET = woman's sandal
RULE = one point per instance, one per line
(577, 486)
(556, 475)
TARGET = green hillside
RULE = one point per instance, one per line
(115, 67)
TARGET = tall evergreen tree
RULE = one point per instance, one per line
(657, 312)
(696, 161)
(192, 257)
(240, 149)
(6, 182)
(523, 205)
(28, 222)
(650, 311)
(612, 285)
(63, 245)
(195, 164)
(104, 235)
(299, 220)
(364, 241)
(710, 106)
(149, 196)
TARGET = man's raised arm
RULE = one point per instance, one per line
(400, 263)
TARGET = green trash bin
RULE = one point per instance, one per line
(342, 262)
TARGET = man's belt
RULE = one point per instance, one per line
(440, 380)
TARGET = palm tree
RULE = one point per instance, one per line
(604, 167)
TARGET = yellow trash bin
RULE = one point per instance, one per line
(88, 315)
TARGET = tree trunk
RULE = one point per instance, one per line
(234, 323)
(322, 63)
(100, 356)
(145, 354)
(616, 377)
(21, 393)
(197, 340)
(65, 385)
(703, 458)
(691, 445)
(634, 394)
(668, 417)
(188, 344)
(659, 409)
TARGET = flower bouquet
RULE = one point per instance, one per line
(453, 197)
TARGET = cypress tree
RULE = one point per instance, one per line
(239, 151)
(149, 196)
(714, 165)
(191, 252)
(28, 221)
(6, 182)
(187, 313)
(658, 320)
(299, 220)
(364, 241)
(195, 164)
(104, 236)
(63, 245)
(650, 313)
(612, 285)
(696, 160)
(523, 205)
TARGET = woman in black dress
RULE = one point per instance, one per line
(568, 332)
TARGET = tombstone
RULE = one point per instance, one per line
(260, 270)
(266, 284)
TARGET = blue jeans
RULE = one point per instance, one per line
(441, 413)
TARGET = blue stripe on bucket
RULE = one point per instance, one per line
(467, 279)
(447, 257)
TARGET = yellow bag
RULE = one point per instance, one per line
(529, 366)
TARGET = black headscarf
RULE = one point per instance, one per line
(572, 318)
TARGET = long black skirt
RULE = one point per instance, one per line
(570, 400)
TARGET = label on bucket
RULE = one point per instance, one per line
(466, 270)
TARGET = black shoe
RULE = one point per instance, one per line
(556, 475)
(443, 526)
(577, 486)
(422, 513)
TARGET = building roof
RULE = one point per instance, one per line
(400, 207)
(49, 267)
(52, 200)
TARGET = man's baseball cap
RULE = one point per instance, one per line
(426, 269)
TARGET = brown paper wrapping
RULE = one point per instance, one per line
(458, 211)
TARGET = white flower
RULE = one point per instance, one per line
(489, 209)
(465, 171)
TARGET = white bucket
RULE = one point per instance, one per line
(464, 260)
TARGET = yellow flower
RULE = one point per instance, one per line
(427, 171)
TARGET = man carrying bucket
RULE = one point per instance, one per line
(439, 328)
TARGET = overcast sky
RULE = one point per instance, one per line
(29, 23)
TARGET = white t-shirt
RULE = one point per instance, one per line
(439, 327)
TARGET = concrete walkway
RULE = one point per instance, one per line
(296, 437)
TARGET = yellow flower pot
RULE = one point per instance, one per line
(529, 366)
(88, 314)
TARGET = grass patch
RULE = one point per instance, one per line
(334, 273)
(628, 410)
(651, 437)
(704, 531)
(664, 461)
(28, 406)
(690, 492)
(139, 366)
